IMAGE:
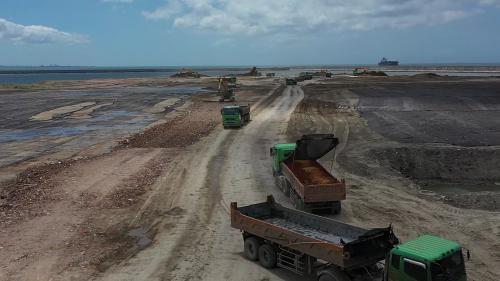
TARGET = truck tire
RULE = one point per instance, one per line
(333, 275)
(267, 256)
(336, 207)
(251, 248)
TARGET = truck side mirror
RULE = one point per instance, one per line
(272, 151)
(468, 255)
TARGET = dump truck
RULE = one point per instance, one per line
(306, 75)
(235, 116)
(329, 250)
(302, 178)
(290, 82)
(360, 71)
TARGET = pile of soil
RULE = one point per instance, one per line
(27, 196)
(183, 130)
(253, 72)
(374, 73)
(187, 73)
(429, 75)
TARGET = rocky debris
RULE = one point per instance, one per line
(188, 73)
(26, 197)
(181, 131)
(129, 194)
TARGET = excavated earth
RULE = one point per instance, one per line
(147, 197)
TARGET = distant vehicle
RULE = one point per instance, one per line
(330, 250)
(360, 71)
(270, 74)
(290, 82)
(306, 75)
(386, 62)
(299, 175)
(227, 86)
(235, 116)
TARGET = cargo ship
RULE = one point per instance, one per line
(385, 62)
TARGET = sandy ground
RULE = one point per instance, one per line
(157, 208)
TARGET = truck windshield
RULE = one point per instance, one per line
(230, 111)
(449, 269)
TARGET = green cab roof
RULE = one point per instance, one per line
(231, 106)
(428, 248)
(285, 146)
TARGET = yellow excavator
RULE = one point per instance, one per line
(227, 86)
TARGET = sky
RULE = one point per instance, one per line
(247, 32)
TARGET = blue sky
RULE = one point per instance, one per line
(243, 32)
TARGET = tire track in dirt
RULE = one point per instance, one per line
(194, 246)
(378, 196)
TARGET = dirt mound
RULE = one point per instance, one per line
(463, 177)
(25, 197)
(188, 73)
(429, 75)
(253, 72)
(181, 131)
(444, 163)
(374, 73)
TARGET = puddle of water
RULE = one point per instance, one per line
(142, 236)
(128, 121)
(110, 115)
(23, 135)
(181, 90)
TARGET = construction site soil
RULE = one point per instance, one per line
(149, 200)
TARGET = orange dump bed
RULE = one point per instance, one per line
(312, 182)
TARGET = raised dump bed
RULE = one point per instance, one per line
(301, 177)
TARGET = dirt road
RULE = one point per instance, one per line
(198, 243)
(177, 225)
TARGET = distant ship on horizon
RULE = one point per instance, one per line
(385, 62)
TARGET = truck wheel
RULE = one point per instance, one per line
(267, 256)
(333, 275)
(251, 248)
(336, 207)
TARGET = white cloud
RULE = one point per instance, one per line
(37, 34)
(173, 7)
(295, 16)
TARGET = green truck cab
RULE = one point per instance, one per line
(427, 258)
(282, 152)
(235, 116)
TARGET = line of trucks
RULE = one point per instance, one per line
(308, 244)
